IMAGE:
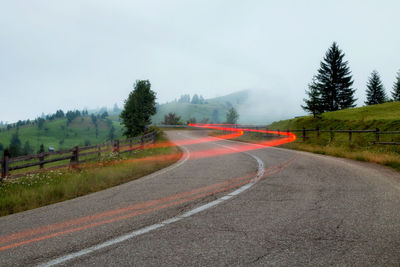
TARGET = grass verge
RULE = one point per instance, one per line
(36, 190)
(357, 150)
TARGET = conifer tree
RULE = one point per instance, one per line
(138, 109)
(334, 81)
(313, 104)
(396, 88)
(375, 91)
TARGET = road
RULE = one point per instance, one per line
(219, 206)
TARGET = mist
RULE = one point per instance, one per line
(88, 54)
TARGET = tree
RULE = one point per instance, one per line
(215, 116)
(1, 147)
(27, 150)
(15, 145)
(195, 99)
(40, 122)
(232, 116)
(375, 90)
(313, 104)
(138, 109)
(396, 88)
(41, 149)
(111, 134)
(334, 81)
(172, 119)
(191, 120)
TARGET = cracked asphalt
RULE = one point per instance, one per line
(318, 210)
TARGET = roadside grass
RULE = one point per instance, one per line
(40, 189)
(360, 150)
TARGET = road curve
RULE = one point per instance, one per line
(302, 209)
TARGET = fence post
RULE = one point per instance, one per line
(350, 135)
(99, 151)
(377, 135)
(130, 147)
(154, 137)
(41, 158)
(266, 130)
(75, 156)
(279, 132)
(331, 134)
(142, 143)
(4, 164)
(304, 134)
(117, 146)
(318, 132)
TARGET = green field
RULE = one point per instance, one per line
(58, 134)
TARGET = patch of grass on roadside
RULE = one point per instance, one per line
(361, 151)
(49, 187)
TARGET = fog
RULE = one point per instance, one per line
(87, 54)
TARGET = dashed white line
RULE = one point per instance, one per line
(260, 173)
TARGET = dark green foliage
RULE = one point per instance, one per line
(314, 103)
(111, 134)
(87, 142)
(375, 91)
(40, 122)
(204, 120)
(71, 115)
(15, 146)
(191, 120)
(232, 116)
(1, 146)
(27, 150)
(172, 119)
(138, 109)
(396, 88)
(104, 115)
(41, 149)
(334, 81)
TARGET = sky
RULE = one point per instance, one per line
(80, 54)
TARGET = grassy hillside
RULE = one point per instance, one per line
(383, 116)
(57, 134)
(214, 109)
(386, 117)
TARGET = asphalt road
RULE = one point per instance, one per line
(219, 206)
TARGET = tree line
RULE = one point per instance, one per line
(331, 88)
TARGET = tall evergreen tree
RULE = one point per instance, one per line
(313, 104)
(138, 109)
(334, 81)
(232, 116)
(15, 145)
(396, 88)
(375, 91)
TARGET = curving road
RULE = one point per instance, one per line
(219, 206)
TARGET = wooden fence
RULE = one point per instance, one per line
(304, 134)
(70, 157)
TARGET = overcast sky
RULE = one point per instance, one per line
(78, 53)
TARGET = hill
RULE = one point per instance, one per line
(383, 116)
(214, 109)
(60, 135)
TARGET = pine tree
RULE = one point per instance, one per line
(396, 88)
(313, 104)
(232, 116)
(334, 81)
(375, 91)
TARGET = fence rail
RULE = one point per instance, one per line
(377, 140)
(75, 155)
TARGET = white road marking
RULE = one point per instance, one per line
(260, 173)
